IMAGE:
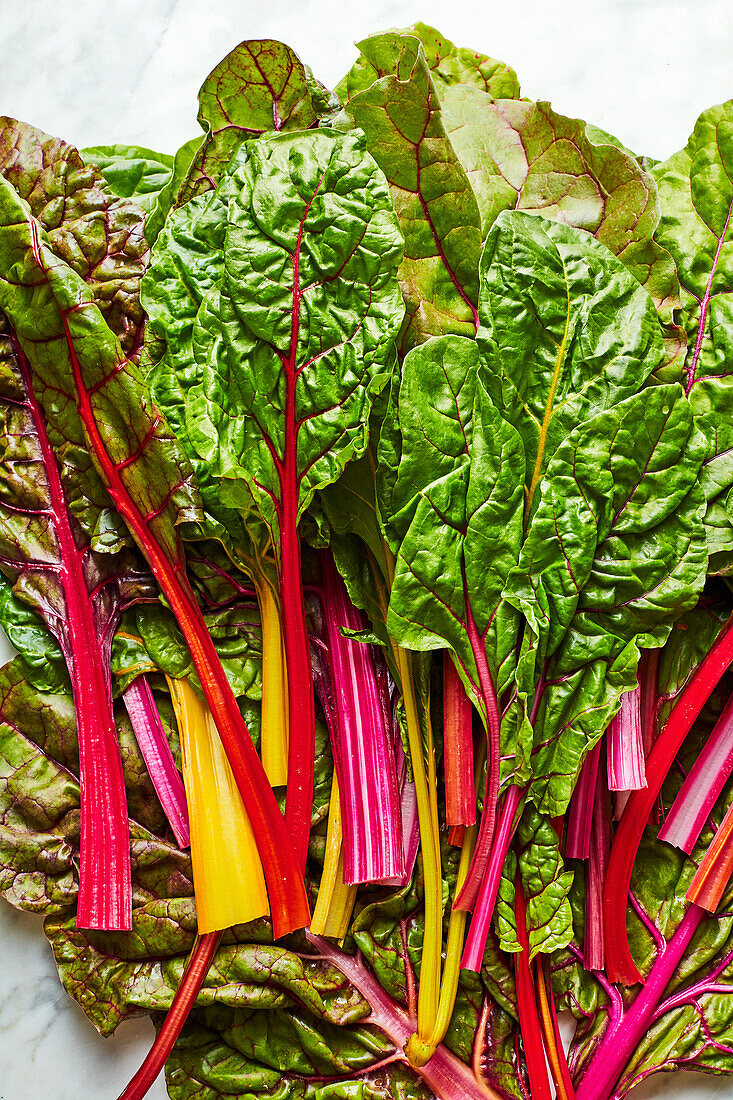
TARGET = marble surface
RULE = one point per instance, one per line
(100, 71)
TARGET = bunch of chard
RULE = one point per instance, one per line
(365, 527)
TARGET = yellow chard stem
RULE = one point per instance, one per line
(426, 791)
(274, 727)
(335, 902)
(427, 813)
(420, 1051)
(227, 872)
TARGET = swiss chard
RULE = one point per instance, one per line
(91, 394)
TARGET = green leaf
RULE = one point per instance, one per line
(167, 197)
(99, 235)
(397, 108)
(260, 86)
(546, 885)
(524, 156)
(78, 363)
(332, 323)
(456, 513)
(448, 65)
(614, 552)
(566, 331)
(132, 172)
(696, 193)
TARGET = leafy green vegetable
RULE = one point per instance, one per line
(259, 87)
(545, 884)
(696, 195)
(132, 172)
(391, 97)
(99, 235)
(565, 332)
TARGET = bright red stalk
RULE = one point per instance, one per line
(529, 1022)
(105, 890)
(469, 893)
(594, 942)
(196, 970)
(363, 747)
(624, 746)
(625, 1031)
(460, 801)
(301, 720)
(580, 823)
(285, 885)
(553, 1040)
(620, 966)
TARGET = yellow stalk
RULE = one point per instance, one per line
(420, 1051)
(335, 901)
(427, 815)
(274, 723)
(426, 792)
(227, 872)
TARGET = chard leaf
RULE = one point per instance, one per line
(39, 798)
(614, 551)
(396, 106)
(566, 331)
(99, 235)
(448, 65)
(696, 193)
(132, 172)
(320, 337)
(167, 197)
(456, 515)
(261, 86)
(524, 156)
(546, 885)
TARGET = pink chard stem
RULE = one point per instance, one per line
(364, 754)
(156, 752)
(702, 787)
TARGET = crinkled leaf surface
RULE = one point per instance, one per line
(614, 551)
(96, 233)
(179, 292)
(262, 85)
(78, 362)
(455, 512)
(524, 156)
(132, 172)
(397, 108)
(309, 307)
(696, 193)
(448, 65)
(545, 884)
(565, 332)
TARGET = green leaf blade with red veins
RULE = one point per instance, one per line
(261, 86)
(88, 386)
(77, 593)
(451, 65)
(524, 156)
(96, 233)
(696, 193)
(456, 518)
(306, 317)
(614, 553)
(400, 114)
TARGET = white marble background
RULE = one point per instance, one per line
(104, 71)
